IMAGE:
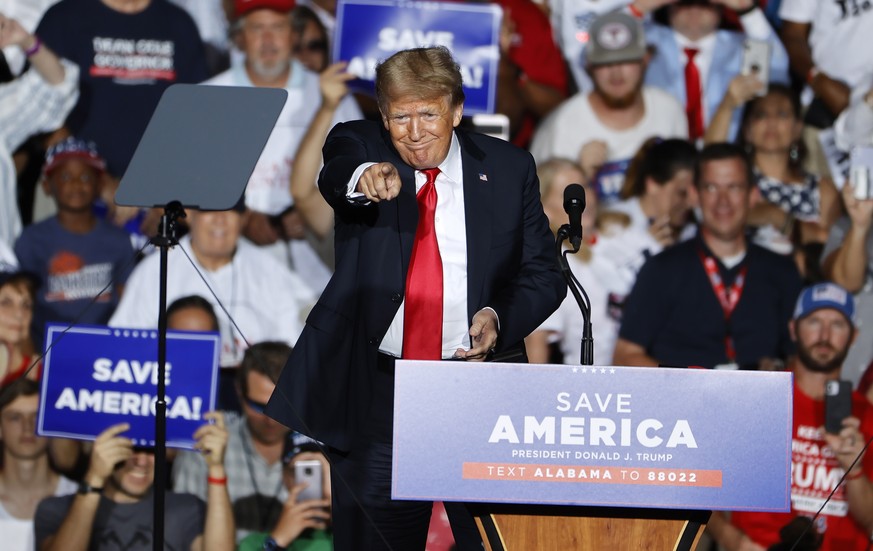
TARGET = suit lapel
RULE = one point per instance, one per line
(478, 191)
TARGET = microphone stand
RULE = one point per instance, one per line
(587, 344)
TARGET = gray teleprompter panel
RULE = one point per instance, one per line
(201, 146)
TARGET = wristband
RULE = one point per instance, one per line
(854, 475)
(810, 76)
(635, 11)
(748, 10)
(217, 481)
(37, 44)
(270, 544)
(85, 489)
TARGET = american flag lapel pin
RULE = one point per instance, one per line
(483, 177)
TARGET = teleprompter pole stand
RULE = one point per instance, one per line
(165, 239)
(198, 150)
(587, 344)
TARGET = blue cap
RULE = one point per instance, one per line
(825, 295)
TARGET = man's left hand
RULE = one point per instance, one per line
(483, 336)
(212, 439)
(293, 226)
(848, 443)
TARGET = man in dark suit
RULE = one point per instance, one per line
(442, 252)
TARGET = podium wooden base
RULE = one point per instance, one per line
(533, 527)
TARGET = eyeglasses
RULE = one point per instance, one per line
(734, 190)
(313, 46)
(257, 407)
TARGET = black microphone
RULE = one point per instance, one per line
(574, 204)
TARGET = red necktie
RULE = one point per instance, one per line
(694, 102)
(423, 314)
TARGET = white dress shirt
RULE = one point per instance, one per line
(451, 232)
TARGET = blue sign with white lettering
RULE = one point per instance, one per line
(94, 377)
(586, 435)
(369, 31)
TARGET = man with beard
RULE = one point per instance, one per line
(267, 41)
(823, 328)
(114, 505)
(604, 128)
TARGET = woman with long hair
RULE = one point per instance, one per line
(789, 200)
(17, 296)
(658, 192)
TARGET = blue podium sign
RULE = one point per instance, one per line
(369, 31)
(94, 377)
(583, 435)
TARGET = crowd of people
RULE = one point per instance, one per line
(723, 230)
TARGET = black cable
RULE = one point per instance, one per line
(112, 282)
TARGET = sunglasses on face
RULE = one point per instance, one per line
(311, 46)
(257, 407)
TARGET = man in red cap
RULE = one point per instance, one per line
(266, 38)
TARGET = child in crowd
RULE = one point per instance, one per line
(79, 258)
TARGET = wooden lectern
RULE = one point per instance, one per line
(526, 527)
(598, 458)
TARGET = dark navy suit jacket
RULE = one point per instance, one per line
(325, 389)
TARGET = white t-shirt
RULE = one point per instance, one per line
(268, 188)
(839, 36)
(17, 533)
(632, 207)
(574, 123)
(267, 300)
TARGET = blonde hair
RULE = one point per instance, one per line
(424, 73)
(546, 172)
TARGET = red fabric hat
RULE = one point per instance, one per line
(243, 7)
(73, 148)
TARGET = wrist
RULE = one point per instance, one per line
(281, 539)
(33, 47)
(271, 544)
(85, 489)
(94, 480)
(213, 480)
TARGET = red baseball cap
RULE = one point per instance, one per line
(243, 7)
(73, 148)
